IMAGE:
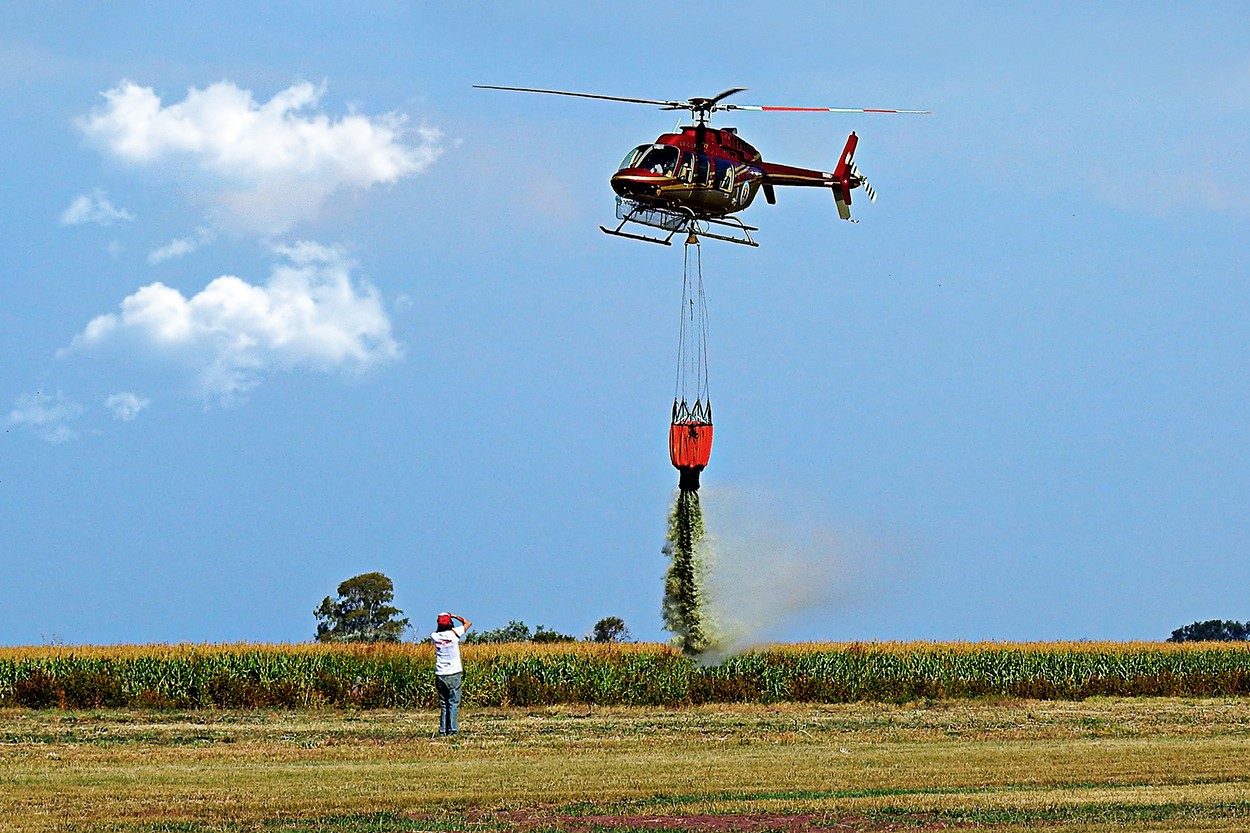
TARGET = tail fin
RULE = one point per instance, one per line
(843, 170)
(846, 176)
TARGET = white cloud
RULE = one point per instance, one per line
(181, 246)
(125, 406)
(94, 208)
(47, 416)
(264, 166)
(310, 315)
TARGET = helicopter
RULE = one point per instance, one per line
(696, 179)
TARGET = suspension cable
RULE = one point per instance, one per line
(692, 364)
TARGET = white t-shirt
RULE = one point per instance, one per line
(447, 650)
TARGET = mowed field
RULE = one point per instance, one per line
(1144, 763)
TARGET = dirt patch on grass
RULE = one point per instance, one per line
(524, 821)
(751, 823)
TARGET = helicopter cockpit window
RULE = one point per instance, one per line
(724, 175)
(631, 158)
(660, 159)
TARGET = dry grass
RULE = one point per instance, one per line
(1134, 764)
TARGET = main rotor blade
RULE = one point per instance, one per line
(728, 93)
(708, 105)
(705, 104)
(677, 104)
(766, 109)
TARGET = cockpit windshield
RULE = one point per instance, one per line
(633, 156)
(660, 159)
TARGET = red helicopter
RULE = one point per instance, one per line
(699, 177)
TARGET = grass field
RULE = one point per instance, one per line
(1099, 764)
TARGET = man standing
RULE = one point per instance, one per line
(448, 670)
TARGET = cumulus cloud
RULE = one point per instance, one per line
(94, 208)
(125, 406)
(310, 315)
(264, 166)
(47, 416)
(182, 246)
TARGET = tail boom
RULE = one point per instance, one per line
(845, 178)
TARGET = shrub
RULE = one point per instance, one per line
(38, 690)
(91, 689)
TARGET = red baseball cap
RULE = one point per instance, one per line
(444, 618)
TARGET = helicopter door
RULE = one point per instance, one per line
(702, 170)
(724, 175)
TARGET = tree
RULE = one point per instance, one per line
(514, 631)
(362, 613)
(1212, 630)
(610, 629)
(541, 634)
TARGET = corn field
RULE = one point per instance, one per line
(522, 674)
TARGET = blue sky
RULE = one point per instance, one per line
(285, 300)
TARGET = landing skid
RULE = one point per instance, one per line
(672, 222)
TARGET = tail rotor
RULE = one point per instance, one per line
(858, 178)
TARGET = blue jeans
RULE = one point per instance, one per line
(448, 686)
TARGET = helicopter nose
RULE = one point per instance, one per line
(638, 182)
